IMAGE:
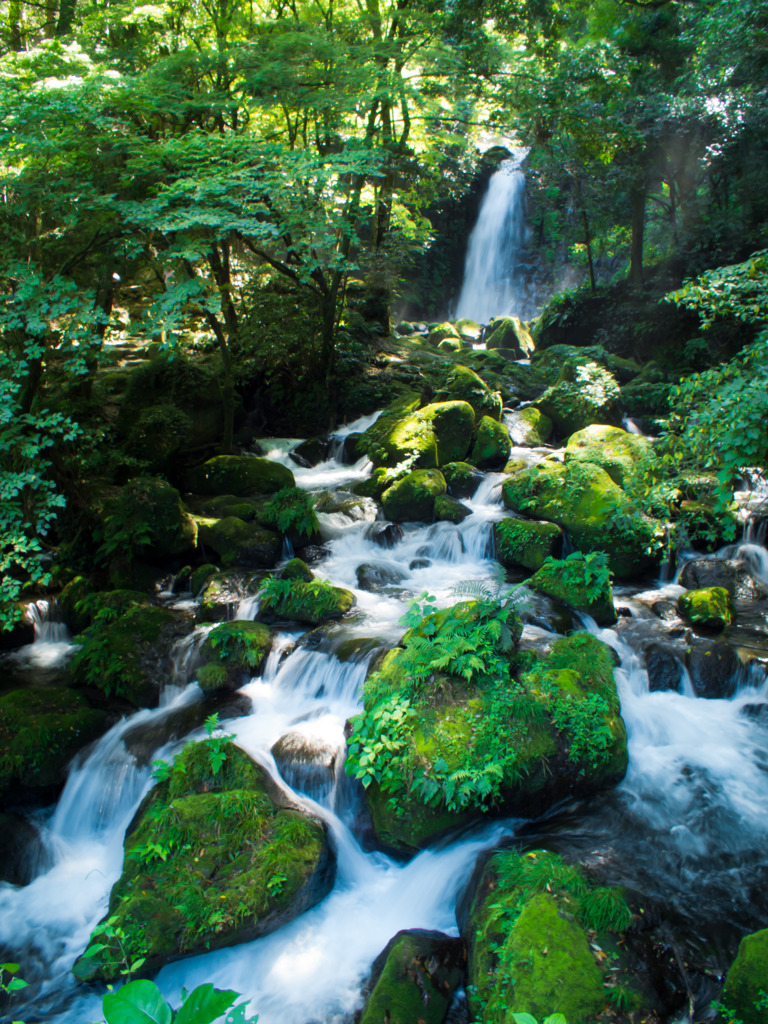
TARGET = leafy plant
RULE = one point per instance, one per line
(10, 982)
(527, 1018)
(291, 509)
(117, 946)
(142, 1002)
(216, 745)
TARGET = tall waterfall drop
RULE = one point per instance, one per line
(493, 283)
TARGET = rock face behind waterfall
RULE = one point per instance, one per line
(215, 856)
(458, 725)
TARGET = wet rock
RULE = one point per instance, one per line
(22, 853)
(414, 979)
(510, 333)
(419, 563)
(525, 542)
(448, 510)
(239, 474)
(412, 499)
(463, 384)
(347, 503)
(622, 455)
(375, 576)
(734, 576)
(664, 668)
(245, 545)
(529, 427)
(709, 608)
(313, 553)
(461, 479)
(223, 592)
(308, 762)
(297, 569)
(200, 578)
(233, 653)
(491, 446)
(244, 862)
(310, 452)
(385, 534)
(143, 740)
(715, 669)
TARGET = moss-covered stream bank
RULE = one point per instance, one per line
(619, 748)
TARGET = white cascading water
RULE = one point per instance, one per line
(697, 784)
(493, 285)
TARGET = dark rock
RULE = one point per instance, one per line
(350, 454)
(374, 576)
(22, 854)
(715, 669)
(306, 762)
(664, 669)
(420, 563)
(310, 452)
(733, 575)
(385, 534)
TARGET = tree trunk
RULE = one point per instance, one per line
(66, 17)
(638, 227)
(588, 244)
(14, 26)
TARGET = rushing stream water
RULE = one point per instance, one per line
(686, 829)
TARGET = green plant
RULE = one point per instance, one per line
(291, 509)
(589, 570)
(216, 745)
(527, 1018)
(10, 983)
(122, 960)
(142, 1002)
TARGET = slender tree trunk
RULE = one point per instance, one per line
(638, 198)
(66, 17)
(588, 244)
(14, 26)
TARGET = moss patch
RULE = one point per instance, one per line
(709, 608)
(580, 581)
(247, 545)
(524, 542)
(239, 475)
(492, 444)
(746, 985)
(625, 457)
(464, 385)
(412, 499)
(232, 653)
(311, 601)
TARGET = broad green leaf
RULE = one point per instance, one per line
(138, 1002)
(204, 1005)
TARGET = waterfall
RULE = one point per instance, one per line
(493, 283)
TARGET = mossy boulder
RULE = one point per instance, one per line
(513, 737)
(461, 479)
(525, 543)
(511, 334)
(624, 456)
(40, 733)
(232, 653)
(247, 545)
(492, 445)
(598, 515)
(222, 505)
(451, 345)
(158, 434)
(313, 601)
(387, 444)
(295, 569)
(469, 330)
(464, 385)
(374, 486)
(214, 857)
(529, 931)
(428, 437)
(414, 979)
(73, 608)
(147, 518)
(448, 510)
(746, 984)
(200, 577)
(412, 499)
(529, 427)
(128, 656)
(709, 608)
(580, 581)
(223, 592)
(584, 393)
(241, 475)
(439, 332)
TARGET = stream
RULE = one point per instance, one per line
(685, 831)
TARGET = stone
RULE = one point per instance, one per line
(664, 669)
(232, 654)
(412, 499)
(374, 576)
(313, 602)
(715, 668)
(708, 608)
(449, 510)
(583, 586)
(149, 512)
(241, 475)
(583, 394)
(729, 573)
(525, 543)
(427, 437)
(223, 592)
(239, 544)
(529, 427)
(311, 452)
(385, 534)
(746, 983)
(623, 456)
(461, 479)
(492, 445)
(463, 384)
(510, 333)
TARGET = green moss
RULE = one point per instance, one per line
(598, 515)
(583, 394)
(412, 499)
(295, 569)
(233, 651)
(413, 986)
(746, 984)
(709, 608)
(211, 860)
(223, 505)
(464, 385)
(449, 510)
(529, 427)
(312, 602)
(492, 444)
(625, 457)
(146, 517)
(580, 581)
(40, 732)
(240, 475)
(201, 576)
(523, 542)
(248, 545)
(461, 479)
(374, 486)
(71, 604)
(116, 654)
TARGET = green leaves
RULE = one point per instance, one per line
(142, 1002)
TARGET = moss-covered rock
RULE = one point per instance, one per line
(428, 437)
(412, 499)
(291, 513)
(233, 653)
(529, 943)
(464, 385)
(128, 656)
(584, 393)
(147, 518)
(625, 457)
(469, 330)
(40, 733)
(461, 479)
(511, 334)
(710, 608)
(241, 475)
(211, 859)
(223, 505)
(525, 542)
(414, 979)
(583, 499)
(71, 603)
(247, 545)
(313, 602)
(223, 592)
(158, 434)
(201, 576)
(581, 581)
(746, 984)
(295, 569)
(439, 332)
(448, 510)
(529, 427)
(492, 445)
(379, 480)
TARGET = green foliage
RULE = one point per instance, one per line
(305, 600)
(142, 1002)
(216, 745)
(527, 1018)
(739, 290)
(376, 739)
(291, 509)
(10, 982)
(593, 571)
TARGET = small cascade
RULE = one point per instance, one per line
(52, 646)
(494, 279)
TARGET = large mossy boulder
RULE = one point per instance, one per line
(448, 510)
(529, 427)
(456, 725)
(428, 437)
(311, 601)
(464, 385)
(461, 479)
(214, 857)
(147, 518)
(598, 515)
(414, 978)
(624, 456)
(582, 582)
(536, 935)
(232, 653)
(412, 499)
(709, 608)
(584, 393)
(128, 654)
(511, 334)
(40, 733)
(159, 434)
(525, 543)
(240, 544)
(241, 475)
(746, 985)
(492, 444)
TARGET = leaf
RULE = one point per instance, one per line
(138, 1002)
(524, 1018)
(204, 1005)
